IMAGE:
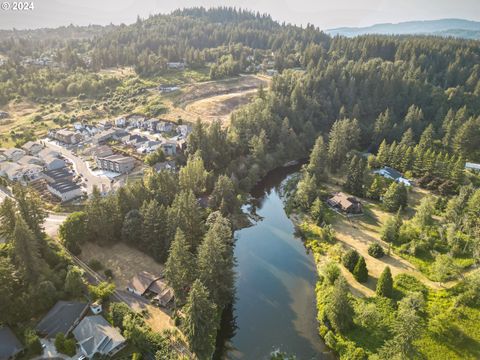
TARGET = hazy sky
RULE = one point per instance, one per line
(323, 13)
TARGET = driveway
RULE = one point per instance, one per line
(81, 168)
(50, 352)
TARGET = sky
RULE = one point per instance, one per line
(325, 14)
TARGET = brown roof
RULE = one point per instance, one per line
(343, 200)
(142, 281)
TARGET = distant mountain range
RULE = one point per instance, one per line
(466, 29)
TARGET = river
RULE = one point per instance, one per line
(275, 286)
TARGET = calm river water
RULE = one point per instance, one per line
(275, 287)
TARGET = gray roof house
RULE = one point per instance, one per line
(9, 344)
(96, 336)
(32, 147)
(62, 318)
(472, 166)
(392, 174)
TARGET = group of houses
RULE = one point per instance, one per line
(34, 162)
(94, 335)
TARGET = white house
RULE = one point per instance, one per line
(148, 147)
(472, 166)
(392, 174)
(121, 122)
(96, 336)
(184, 130)
(165, 126)
(176, 65)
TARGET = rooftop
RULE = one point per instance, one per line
(142, 281)
(9, 344)
(64, 186)
(61, 318)
(58, 173)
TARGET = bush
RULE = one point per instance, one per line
(108, 273)
(375, 250)
(360, 271)
(350, 259)
(330, 272)
(32, 342)
(95, 265)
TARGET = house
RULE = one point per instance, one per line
(134, 139)
(472, 166)
(31, 171)
(78, 126)
(162, 293)
(141, 282)
(169, 147)
(7, 168)
(176, 65)
(136, 120)
(58, 175)
(121, 122)
(151, 124)
(392, 174)
(101, 151)
(148, 147)
(346, 203)
(116, 163)
(184, 130)
(96, 336)
(62, 318)
(104, 124)
(165, 126)
(16, 172)
(104, 136)
(54, 163)
(164, 89)
(10, 346)
(45, 152)
(14, 154)
(65, 190)
(67, 136)
(165, 166)
(28, 159)
(32, 147)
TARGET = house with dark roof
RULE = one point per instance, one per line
(345, 203)
(62, 318)
(96, 336)
(58, 175)
(10, 346)
(152, 286)
(65, 190)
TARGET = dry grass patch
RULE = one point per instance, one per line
(124, 261)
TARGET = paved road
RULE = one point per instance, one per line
(53, 222)
(81, 168)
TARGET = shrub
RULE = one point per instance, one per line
(330, 272)
(95, 265)
(350, 259)
(360, 271)
(32, 342)
(108, 273)
(404, 284)
(375, 250)
(385, 284)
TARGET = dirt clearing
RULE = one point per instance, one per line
(124, 261)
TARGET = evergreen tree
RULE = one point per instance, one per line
(10, 287)
(132, 228)
(26, 250)
(360, 271)
(193, 176)
(376, 188)
(356, 176)
(385, 284)
(350, 259)
(30, 207)
(395, 197)
(223, 197)
(215, 262)
(200, 325)
(318, 159)
(338, 309)
(186, 215)
(8, 211)
(391, 229)
(155, 231)
(180, 267)
(306, 191)
(382, 127)
(343, 137)
(382, 154)
(318, 212)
